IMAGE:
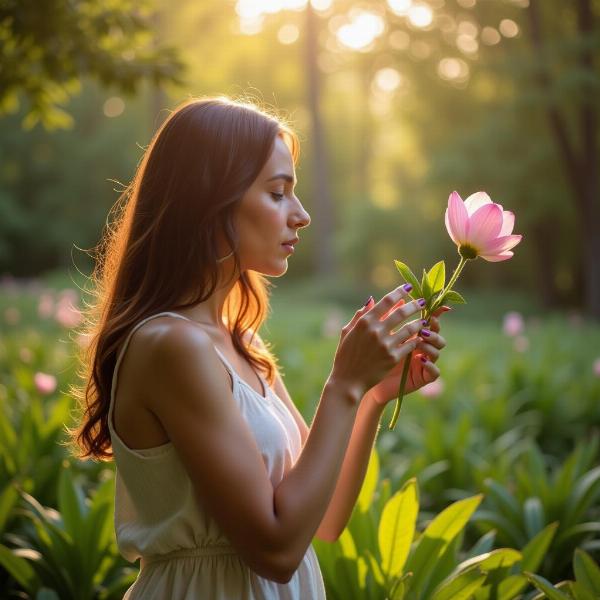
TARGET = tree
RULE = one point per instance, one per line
(49, 47)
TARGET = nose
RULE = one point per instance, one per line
(299, 217)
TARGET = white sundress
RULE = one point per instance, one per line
(159, 518)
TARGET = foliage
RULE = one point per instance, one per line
(44, 59)
(72, 551)
(381, 555)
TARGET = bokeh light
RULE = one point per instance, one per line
(420, 15)
(363, 29)
(399, 40)
(508, 28)
(399, 7)
(453, 69)
(288, 34)
(388, 79)
(490, 36)
(113, 107)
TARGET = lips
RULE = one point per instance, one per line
(291, 242)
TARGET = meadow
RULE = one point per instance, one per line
(488, 488)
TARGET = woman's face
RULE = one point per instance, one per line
(269, 215)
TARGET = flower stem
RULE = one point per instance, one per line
(455, 275)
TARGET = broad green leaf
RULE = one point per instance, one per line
(347, 545)
(535, 551)
(578, 591)
(586, 491)
(20, 569)
(70, 503)
(484, 544)
(497, 521)
(370, 482)
(534, 516)
(503, 500)
(460, 586)
(375, 568)
(425, 287)
(452, 296)
(503, 557)
(587, 571)
(437, 276)
(436, 537)
(409, 277)
(398, 590)
(509, 588)
(546, 587)
(397, 528)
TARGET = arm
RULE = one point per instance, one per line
(353, 470)
(270, 528)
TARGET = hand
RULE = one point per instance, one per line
(367, 349)
(419, 373)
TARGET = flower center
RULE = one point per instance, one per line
(468, 252)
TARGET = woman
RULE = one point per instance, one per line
(221, 485)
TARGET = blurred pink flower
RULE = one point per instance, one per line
(12, 315)
(479, 227)
(597, 367)
(25, 355)
(44, 383)
(46, 305)
(332, 326)
(67, 314)
(433, 389)
(521, 343)
(513, 324)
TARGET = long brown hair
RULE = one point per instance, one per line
(161, 247)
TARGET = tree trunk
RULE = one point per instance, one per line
(322, 202)
(581, 166)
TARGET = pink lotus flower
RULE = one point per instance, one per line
(45, 384)
(479, 227)
(513, 324)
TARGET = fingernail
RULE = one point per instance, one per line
(422, 301)
(423, 359)
(446, 308)
(424, 322)
(425, 332)
(407, 287)
(368, 300)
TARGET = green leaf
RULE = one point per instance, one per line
(375, 568)
(437, 276)
(70, 503)
(545, 586)
(436, 538)
(427, 291)
(534, 516)
(397, 528)
(587, 571)
(504, 500)
(585, 492)
(370, 482)
(509, 587)
(20, 569)
(46, 594)
(535, 551)
(452, 296)
(460, 586)
(8, 500)
(398, 590)
(409, 277)
(484, 544)
(503, 557)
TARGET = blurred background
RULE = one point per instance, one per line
(397, 103)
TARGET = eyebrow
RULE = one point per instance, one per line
(285, 176)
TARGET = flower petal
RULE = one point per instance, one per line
(508, 223)
(475, 201)
(501, 244)
(498, 257)
(484, 226)
(457, 219)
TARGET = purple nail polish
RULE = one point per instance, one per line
(368, 300)
(407, 287)
(425, 332)
(422, 301)
(423, 322)
(423, 359)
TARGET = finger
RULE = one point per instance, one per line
(430, 371)
(435, 339)
(357, 315)
(389, 301)
(434, 324)
(431, 352)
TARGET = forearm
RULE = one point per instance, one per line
(302, 497)
(353, 470)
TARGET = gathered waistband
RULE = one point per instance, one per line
(187, 553)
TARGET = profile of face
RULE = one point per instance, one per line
(270, 214)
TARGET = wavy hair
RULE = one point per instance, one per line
(161, 247)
